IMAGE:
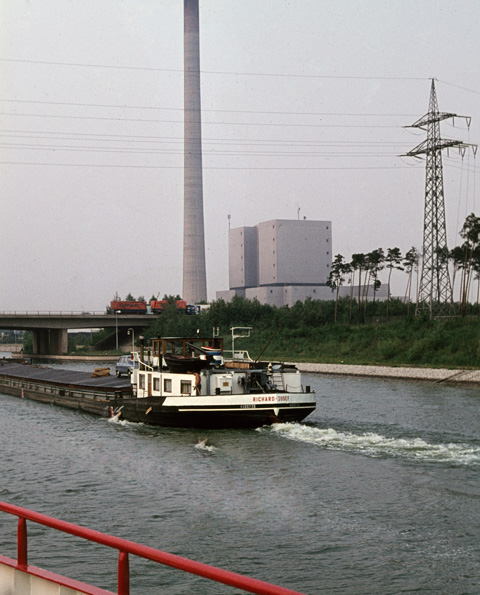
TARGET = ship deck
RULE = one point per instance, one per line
(36, 373)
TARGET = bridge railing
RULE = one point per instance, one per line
(126, 547)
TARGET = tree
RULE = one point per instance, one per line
(375, 260)
(358, 263)
(457, 257)
(336, 278)
(476, 269)
(394, 261)
(410, 263)
(470, 232)
(171, 299)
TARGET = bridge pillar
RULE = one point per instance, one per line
(50, 341)
(58, 341)
(40, 341)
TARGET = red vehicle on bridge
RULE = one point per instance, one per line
(128, 307)
(158, 306)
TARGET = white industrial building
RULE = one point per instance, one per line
(282, 261)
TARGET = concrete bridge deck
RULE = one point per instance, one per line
(50, 329)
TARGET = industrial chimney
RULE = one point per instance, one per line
(194, 271)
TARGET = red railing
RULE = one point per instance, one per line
(126, 547)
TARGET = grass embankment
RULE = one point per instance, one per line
(448, 343)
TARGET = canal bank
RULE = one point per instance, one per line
(436, 375)
(60, 358)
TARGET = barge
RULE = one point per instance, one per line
(179, 382)
(67, 388)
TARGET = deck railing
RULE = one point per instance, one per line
(126, 547)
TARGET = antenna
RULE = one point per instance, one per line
(435, 293)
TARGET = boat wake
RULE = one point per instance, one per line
(117, 420)
(375, 445)
(202, 444)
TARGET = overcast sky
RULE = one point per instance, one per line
(304, 107)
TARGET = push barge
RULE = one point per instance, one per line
(67, 388)
(178, 383)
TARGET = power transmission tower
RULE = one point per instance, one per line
(435, 292)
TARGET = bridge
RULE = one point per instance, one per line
(50, 329)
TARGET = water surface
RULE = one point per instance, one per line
(377, 492)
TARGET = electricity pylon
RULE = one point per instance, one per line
(435, 292)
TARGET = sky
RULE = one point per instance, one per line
(305, 105)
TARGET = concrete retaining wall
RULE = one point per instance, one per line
(428, 374)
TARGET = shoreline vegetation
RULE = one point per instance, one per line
(395, 346)
(307, 333)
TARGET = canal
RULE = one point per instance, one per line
(377, 492)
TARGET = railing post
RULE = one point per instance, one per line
(123, 574)
(22, 556)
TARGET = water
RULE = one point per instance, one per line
(378, 492)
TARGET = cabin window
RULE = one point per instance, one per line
(141, 381)
(156, 384)
(186, 387)
(167, 385)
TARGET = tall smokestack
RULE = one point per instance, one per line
(194, 272)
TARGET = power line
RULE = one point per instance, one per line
(207, 167)
(211, 152)
(203, 122)
(219, 142)
(206, 140)
(181, 71)
(458, 87)
(181, 109)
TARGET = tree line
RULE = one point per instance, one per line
(363, 270)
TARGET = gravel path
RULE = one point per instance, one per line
(429, 374)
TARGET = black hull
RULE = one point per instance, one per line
(151, 411)
(101, 407)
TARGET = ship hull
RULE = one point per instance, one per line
(159, 411)
(109, 397)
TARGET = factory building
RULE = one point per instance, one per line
(281, 262)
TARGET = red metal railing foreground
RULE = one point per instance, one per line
(126, 547)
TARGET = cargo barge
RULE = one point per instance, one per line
(177, 383)
(66, 388)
